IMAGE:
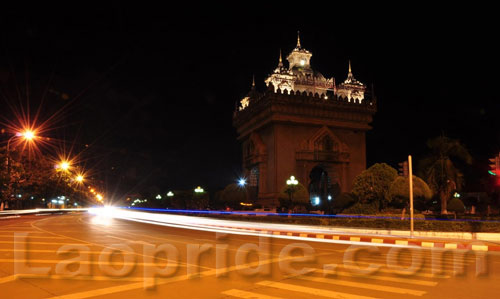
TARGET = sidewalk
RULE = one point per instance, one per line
(446, 240)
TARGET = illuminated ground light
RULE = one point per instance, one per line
(316, 201)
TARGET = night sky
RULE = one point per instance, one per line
(151, 90)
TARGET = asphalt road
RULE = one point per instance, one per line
(187, 263)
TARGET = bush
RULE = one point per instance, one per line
(362, 208)
(399, 193)
(233, 195)
(372, 185)
(456, 206)
(343, 201)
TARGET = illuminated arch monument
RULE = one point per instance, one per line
(303, 125)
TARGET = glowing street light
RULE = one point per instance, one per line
(158, 196)
(292, 181)
(242, 182)
(170, 194)
(79, 178)
(199, 190)
(28, 135)
(64, 165)
(99, 197)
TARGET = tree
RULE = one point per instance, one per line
(372, 185)
(29, 180)
(343, 201)
(439, 167)
(399, 192)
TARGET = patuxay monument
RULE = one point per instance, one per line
(303, 125)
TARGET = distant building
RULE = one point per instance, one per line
(303, 125)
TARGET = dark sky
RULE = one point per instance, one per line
(151, 89)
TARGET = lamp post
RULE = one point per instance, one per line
(291, 183)
(28, 136)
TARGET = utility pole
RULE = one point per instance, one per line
(410, 179)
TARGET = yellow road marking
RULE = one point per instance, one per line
(355, 239)
(377, 240)
(450, 245)
(480, 247)
(401, 242)
(247, 295)
(367, 286)
(309, 291)
(320, 236)
(427, 244)
(303, 235)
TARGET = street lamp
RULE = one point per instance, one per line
(292, 183)
(64, 165)
(170, 194)
(79, 178)
(199, 190)
(28, 135)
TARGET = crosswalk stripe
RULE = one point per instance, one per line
(386, 278)
(420, 273)
(360, 285)
(310, 291)
(247, 295)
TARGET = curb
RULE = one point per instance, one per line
(378, 240)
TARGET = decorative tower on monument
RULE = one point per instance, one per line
(306, 126)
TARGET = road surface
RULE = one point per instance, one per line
(86, 256)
